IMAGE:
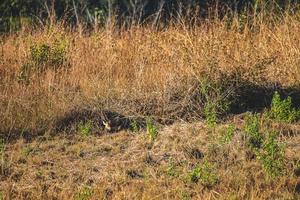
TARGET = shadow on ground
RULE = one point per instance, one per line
(248, 97)
(255, 98)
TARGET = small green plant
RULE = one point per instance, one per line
(267, 149)
(2, 146)
(215, 99)
(1, 196)
(252, 127)
(297, 167)
(84, 194)
(27, 150)
(151, 129)
(282, 110)
(171, 170)
(205, 174)
(228, 135)
(2, 160)
(185, 195)
(39, 174)
(210, 114)
(134, 126)
(85, 129)
(272, 156)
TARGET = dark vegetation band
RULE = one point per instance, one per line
(91, 13)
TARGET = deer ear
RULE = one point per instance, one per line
(106, 125)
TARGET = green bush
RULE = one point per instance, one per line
(216, 97)
(267, 149)
(84, 194)
(42, 57)
(151, 129)
(46, 56)
(227, 136)
(40, 54)
(205, 174)
(252, 127)
(272, 156)
(171, 170)
(282, 110)
(210, 113)
(85, 129)
(134, 126)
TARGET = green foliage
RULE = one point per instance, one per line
(1, 196)
(40, 54)
(151, 129)
(210, 114)
(95, 12)
(172, 171)
(205, 174)
(39, 174)
(252, 127)
(267, 149)
(27, 150)
(272, 156)
(185, 195)
(228, 135)
(84, 194)
(215, 101)
(282, 110)
(42, 57)
(2, 147)
(134, 126)
(45, 56)
(85, 129)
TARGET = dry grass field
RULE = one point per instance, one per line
(187, 94)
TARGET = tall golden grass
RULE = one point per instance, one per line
(140, 70)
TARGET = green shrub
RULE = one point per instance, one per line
(185, 195)
(216, 99)
(210, 113)
(282, 110)
(205, 174)
(134, 126)
(172, 171)
(85, 129)
(228, 135)
(27, 150)
(84, 194)
(252, 127)
(42, 57)
(151, 129)
(40, 54)
(266, 149)
(272, 156)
